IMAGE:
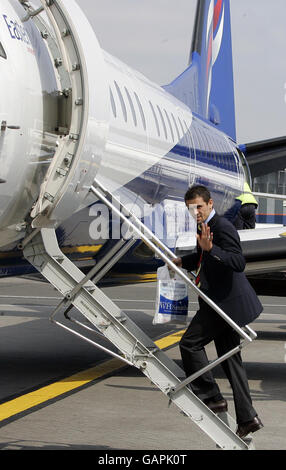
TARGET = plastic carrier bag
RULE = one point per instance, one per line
(171, 298)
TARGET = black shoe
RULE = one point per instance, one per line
(217, 406)
(250, 426)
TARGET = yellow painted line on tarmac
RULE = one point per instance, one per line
(81, 249)
(126, 278)
(170, 340)
(30, 400)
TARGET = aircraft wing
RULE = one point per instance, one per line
(264, 249)
(265, 156)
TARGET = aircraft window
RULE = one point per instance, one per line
(209, 142)
(201, 137)
(163, 122)
(217, 145)
(189, 134)
(176, 125)
(220, 146)
(2, 52)
(131, 107)
(228, 162)
(198, 142)
(113, 106)
(181, 125)
(187, 129)
(195, 133)
(209, 146)
(141, 110)
(121, 101)
(155, 117)
(170, 125)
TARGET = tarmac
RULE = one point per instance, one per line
(58, 392)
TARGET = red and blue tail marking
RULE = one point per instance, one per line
(207, 86)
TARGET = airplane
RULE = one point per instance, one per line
(73, 119)
(70, 112)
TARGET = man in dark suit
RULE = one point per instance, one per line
(220, 264)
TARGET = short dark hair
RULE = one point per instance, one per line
(198, 191)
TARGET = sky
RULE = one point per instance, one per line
(154, 37)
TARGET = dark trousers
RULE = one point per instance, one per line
(206, 326)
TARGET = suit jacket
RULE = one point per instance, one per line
(222, 277)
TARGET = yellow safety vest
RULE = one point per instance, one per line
(247, 197)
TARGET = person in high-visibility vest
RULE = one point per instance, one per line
(246, 216)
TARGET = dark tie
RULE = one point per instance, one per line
(198, 276)
(197, 281)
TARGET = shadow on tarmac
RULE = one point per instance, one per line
(21, 445)
(270, 375)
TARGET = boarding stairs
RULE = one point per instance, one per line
(102, 317)
(107, 320)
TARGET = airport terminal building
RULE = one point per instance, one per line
(271, 211)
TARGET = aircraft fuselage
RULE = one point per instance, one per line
(141, 142)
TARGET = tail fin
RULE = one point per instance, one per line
(206, 86)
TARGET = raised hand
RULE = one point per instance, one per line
(205, 238)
